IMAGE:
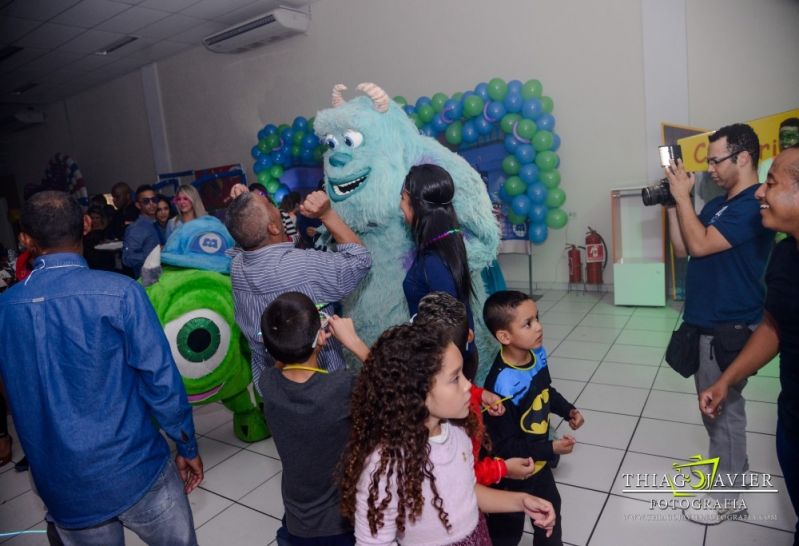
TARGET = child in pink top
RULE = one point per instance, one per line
(407, 471)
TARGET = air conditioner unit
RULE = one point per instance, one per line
(278, 23)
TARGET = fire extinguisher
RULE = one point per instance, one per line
(596, 256)
(575, 264)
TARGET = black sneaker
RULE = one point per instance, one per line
(22, 465)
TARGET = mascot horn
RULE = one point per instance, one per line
(372, 144)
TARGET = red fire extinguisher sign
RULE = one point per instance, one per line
(594, 252)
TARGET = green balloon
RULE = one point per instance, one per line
(547, 104)
(317, 155)
(415, 119)
(263, 177)
(297, 138)
(555, 198)
(514, 186)
(546, 161)
(542, 141)
(438, 101)
(472, 106)
(272, 141)
(310, 125)
(532, 88)
(454, 133)
(526, 128)
(275, 171)
(514, 218)
(425, 113)
(556, 218)
(295, 150)
(550, 179)
(497, 89)
(458, 95)
(272, 186)
(263, 145)
(399, 99)
(508, 121)
(283, 127)
(511, 165)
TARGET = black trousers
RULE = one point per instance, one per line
(507, 529)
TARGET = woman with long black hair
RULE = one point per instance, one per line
(440, 263)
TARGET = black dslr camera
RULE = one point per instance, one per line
(660, 194)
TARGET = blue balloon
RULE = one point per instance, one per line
(525, 154)
(453, 110)
(469, 132)
(286, 137)
(409, 109)
(537, 193)
(503, 195)
(521, 205)
(555, 142)
(537, 233)
(264, 161)
(515, 86)
(270, 129)
(482, 126)
(537, 214)
(546, 122)
(511, 144)
(531, 109)
(513, 102)
(300, 124)
(439, 123)
(255, 152)
(494, 112)
(467, 94)
(481, 90)
(279, 157)
(529, 173)
(310, 141)
(280, 193)
(262, 134)
(257, 167)
(422, 100)
(306, 156)
(427, 130)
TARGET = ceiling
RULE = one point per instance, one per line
(58, 40)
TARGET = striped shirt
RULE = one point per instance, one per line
(259, 276)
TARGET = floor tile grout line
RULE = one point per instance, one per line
(234, 502)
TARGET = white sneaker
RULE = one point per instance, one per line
(707, 510)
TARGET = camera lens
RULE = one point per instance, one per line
(657, 194)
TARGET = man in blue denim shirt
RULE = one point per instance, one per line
(88, 371)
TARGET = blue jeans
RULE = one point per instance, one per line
(162, 516)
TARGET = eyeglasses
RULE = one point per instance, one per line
(712, 161)
(148, 200)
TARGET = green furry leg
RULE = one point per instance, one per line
(248, 423)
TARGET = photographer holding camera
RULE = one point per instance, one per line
(728, 248)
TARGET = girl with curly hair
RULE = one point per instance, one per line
(407, 471)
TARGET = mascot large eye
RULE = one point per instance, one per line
(330, 141)
(353, 139)
(199, 341)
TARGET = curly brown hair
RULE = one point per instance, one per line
(389, 415)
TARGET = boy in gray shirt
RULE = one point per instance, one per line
(307, 410)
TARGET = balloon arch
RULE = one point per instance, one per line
(516, 113)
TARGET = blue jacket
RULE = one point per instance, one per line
(141, 237)
(88, 372)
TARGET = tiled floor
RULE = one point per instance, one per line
(640, 417)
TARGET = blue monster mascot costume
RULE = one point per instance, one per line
(372, 144)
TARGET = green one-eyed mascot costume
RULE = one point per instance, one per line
(189, 286)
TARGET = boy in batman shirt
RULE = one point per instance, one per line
(519, 375)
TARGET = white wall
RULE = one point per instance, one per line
(740, 64)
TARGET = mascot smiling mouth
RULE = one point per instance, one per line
(342, 189)
(195, 398)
